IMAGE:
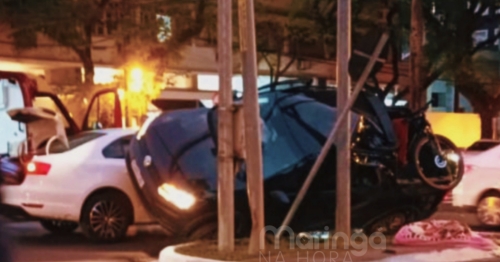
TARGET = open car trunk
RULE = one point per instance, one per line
(28, 125)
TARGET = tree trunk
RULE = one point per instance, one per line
(417, 92)
(85, 55)
(88, 67)
(486, 123)
(88, 63)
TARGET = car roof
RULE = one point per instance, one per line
(488, 140)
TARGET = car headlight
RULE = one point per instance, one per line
(178, 197)
(146, 124)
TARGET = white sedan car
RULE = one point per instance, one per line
(84, 185)
(480, 146)
(479, 190)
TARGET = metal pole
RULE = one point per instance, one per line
(333, 134)
(225, 160)
(418, 92)
(254, 167)
(343, 138)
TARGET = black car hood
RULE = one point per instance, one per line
(182, 144)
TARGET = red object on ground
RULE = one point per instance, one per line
(441, 232)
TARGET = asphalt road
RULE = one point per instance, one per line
(34, 244)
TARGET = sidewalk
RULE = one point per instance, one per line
(391, 254)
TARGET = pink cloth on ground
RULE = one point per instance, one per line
(441, 232)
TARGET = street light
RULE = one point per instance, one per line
(136, 79)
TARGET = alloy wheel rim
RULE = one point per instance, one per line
(107, 219)
(488, 211)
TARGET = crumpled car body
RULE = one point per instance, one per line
(179, 150)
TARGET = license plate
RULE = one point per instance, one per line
(137, 173)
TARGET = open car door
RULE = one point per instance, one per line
(105, 111)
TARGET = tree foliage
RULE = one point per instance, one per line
(454, 54)
(69, 23)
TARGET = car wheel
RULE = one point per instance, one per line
(488, 209)
(106, 217)
(389, 224)
(206, 228)
(59, 226)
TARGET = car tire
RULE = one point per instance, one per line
(206, 228)
(106, 217)
(390, 223)
(487, 209)
(59, 227)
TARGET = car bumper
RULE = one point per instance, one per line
(15, 213)
(147, 180)
(456, 209)
(38, 201)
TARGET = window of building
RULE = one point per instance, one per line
(165, 30)
(480, 36)
(3, 95)
(438, 99)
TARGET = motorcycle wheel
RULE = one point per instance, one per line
(430, 166)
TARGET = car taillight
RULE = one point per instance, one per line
(37, 168)
(468, 168)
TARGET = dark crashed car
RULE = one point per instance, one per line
(400, 170)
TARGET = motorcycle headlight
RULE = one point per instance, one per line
(454, 157)
(180, 198)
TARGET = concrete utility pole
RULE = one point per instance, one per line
(343, 138)
(254, 167)
(418, 95)
(225, 160)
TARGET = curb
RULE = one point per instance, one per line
(168, 254)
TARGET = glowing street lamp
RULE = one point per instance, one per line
(136, 80)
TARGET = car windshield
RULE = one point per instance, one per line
(74, 141)
(483, 145)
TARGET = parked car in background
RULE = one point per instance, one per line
(480, 146)
(479, 191)
(84, 185)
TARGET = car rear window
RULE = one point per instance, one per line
(74, 141)
(483, 145)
